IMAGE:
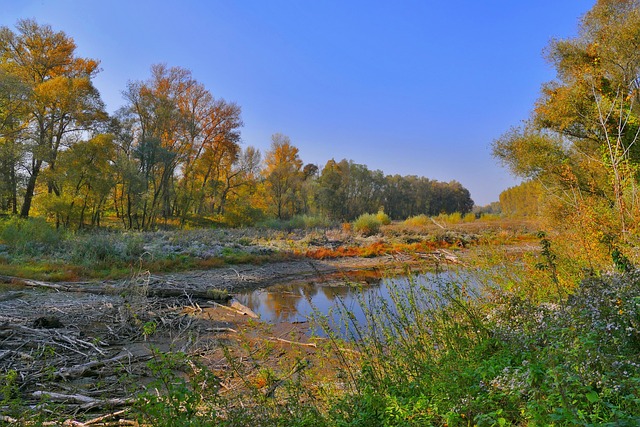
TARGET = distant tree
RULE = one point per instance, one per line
(524, 200)
(283, 176)
(185, 144)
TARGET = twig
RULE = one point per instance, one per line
(222, 330)
(303, 344)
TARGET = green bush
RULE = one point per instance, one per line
(32, 236)
(94, 248)
(417, 221)
(367, 224)
(383, 218)
(435, 355)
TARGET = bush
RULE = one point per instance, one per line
(367, 224)
(383, 218)
(417, 221)
(469, 217)
(31, 236)
(435, 355)
(94, 248)
(243, 216)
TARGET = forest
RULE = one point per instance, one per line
(172, 153)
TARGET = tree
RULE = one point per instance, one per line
(62, 99)
(185, 144)
(581, 143)
(13, 113)
(283, 176)
(85, 178)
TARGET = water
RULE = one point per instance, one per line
(298, 302)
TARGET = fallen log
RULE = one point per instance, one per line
(85, 402)
(108, 289)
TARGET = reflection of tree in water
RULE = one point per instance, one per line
(253, 300)
(348, 291)
(282, 300)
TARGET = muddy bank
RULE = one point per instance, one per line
(246, 277)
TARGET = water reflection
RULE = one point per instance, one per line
(298, 302)
(294, 302)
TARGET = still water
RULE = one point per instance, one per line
(302, 301)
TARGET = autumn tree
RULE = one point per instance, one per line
(524, 200)
(62, 101)
(581, 143)
(184, 144)
(283, 176)
(85, 177)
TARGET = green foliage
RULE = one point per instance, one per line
(243, 215)
(549, 258)
(10, 391)
(31, 237)
(101, 248)
(437, 355)
(367, 224)
(182, 393)
(418, 221)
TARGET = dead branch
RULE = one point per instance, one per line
(108, 289)
(303, 344)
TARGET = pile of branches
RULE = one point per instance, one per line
(66, 354)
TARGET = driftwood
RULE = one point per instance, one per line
(78, 371)
(442, 255)
(238, 308)
(85, 402)
(110, 289)
(303, 344)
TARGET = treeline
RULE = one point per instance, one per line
(524, 200)
(171, 153)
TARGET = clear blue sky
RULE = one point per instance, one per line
(408, 87)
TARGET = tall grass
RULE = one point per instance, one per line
(440, 355)
(30, 237)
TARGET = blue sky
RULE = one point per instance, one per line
(408, 87)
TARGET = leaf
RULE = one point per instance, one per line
(592, 396)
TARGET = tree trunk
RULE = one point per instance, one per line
(31, 187)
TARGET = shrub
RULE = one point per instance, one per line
(367, 224)
(417, 221)
(315, 221)
(32, 236)
(243, 216)
(383, 218)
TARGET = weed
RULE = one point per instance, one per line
(173, 399)
(367, 224)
